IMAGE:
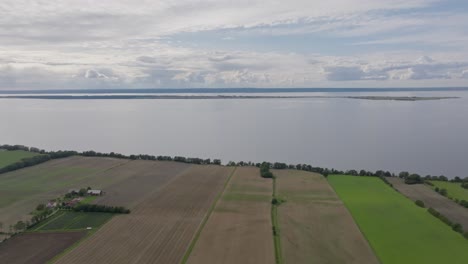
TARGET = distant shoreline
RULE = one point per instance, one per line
(231, 90)
(215, 97)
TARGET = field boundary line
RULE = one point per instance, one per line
(275, 226)
(89, 233)
(73, 246)
(205, 219)
(49, 220)
(355, 222)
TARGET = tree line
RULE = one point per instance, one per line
(100, 208)
(410, 178)
(455, 226)
(49, 155)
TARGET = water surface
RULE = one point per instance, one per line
(427, 137)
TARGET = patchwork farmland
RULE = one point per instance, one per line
(239, 229)
(450, 209)
(315, 226)
(397, 229)
(22, 190)
(69, 220)
(187, 213)
(37, 248)
(161, 227)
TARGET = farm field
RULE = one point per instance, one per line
(397, 229)
(22, 190)
(239, 229)
(37, 248)
(454, 189)
(447, 207)
(12, 156)
(161, 227)
(69, 220)
(142, 178)
(315, 226)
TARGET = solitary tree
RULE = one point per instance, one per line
(443, 192)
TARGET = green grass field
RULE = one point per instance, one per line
(398, 230)
(454, 189)
(9, 157)
(68, 220)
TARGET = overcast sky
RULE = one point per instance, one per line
(224, 43)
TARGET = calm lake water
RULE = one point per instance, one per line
(427, 137)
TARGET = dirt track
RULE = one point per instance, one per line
(239, 230)
(160, 228)
(445, 206)
(36, 248)
(315, 226)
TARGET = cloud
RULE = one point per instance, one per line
(423, 68)
(94, 74)
(123, 43)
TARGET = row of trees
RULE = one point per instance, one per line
(18, 227)
(21, 147)
(409, 178)
(48, 155)
(31, 161)
(455, 226)
(100, 208)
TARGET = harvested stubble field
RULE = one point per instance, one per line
(398, 230)
(447, 207)
(142, 178)
(161, 227)
(37, 248)
(239, 229)
(315, 226)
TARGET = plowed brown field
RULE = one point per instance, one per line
(36, 248)
(160, 228)
(445, 206)
(239, 229)
(315, 226)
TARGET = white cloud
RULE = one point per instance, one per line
(123, 43)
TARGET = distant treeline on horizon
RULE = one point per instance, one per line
(234, 90)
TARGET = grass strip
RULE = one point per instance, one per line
(275, 227)
(51, 218)
(205, 219)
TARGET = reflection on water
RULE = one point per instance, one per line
(428, 137)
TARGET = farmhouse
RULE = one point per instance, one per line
(73, 202)
(95, 192)
(51, 204)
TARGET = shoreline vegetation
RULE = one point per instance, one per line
(231, 90)
(218, 97)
